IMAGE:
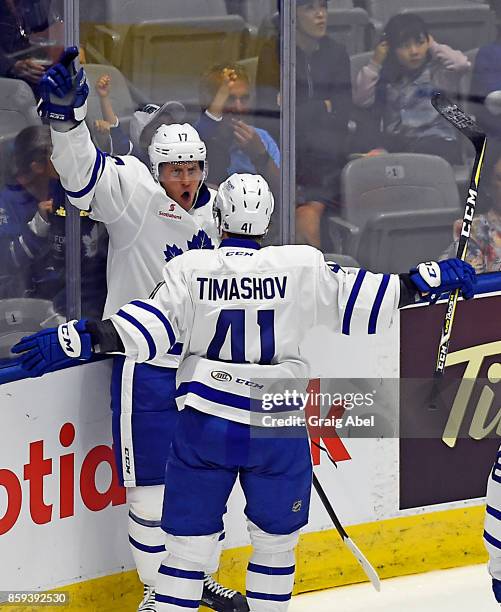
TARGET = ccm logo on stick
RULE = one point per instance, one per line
(469, 211)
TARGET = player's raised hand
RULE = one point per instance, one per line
(64, 91)
(434, 278)
(55, 347)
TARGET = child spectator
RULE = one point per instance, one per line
(107, 130)
(323, 107)
(408, 65)
(484, 245)
(232, 144)
(143, 125)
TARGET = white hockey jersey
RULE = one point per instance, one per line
(145, 226)
(243, 312)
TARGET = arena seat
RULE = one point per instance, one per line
(23, 316)
(165, 59)
(105, 25)
(393, 184)
(17, 108)
(17, 111)
(396, 241)
(349, 27)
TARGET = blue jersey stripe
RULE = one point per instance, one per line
(177, 601)
(180, 573)
(348, 312)
(492, 540)
(160, 315)
(214, 395)
(271, 571)
(377, 303)
(177, 349)
(142, 329)
(494, 512)
(145, 548)
(268, 596)
(98, 165)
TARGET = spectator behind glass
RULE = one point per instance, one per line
(24, 211)
(484, 245)
(232, 144)
(486, 78)
(32, 231)
(408, 65)
(20, 57)
(143, 125)
(323, 107)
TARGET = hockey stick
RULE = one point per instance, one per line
(465, 124)
(370, 572)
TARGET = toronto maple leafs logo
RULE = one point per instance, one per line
(199, 241)
(172, 251)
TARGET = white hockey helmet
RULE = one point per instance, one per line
(176, 143)
(244, 205)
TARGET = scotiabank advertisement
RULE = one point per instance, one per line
(58, 488)
(448, 443)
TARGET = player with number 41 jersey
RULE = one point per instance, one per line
(151, 215)
(243, 311)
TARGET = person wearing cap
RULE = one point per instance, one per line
(152, 215)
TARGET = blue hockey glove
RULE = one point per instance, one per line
(64, 91)
(496, 588)
(436, 278)
(54, 347)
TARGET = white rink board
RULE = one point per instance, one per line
(92, 543)
(63, 550)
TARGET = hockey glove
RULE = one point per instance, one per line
(435, 278)
(496, 588)
(64, 91)
(55, 347)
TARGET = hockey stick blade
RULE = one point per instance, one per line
(467, 126)
(370, 572)
(458, 118)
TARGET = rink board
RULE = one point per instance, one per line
(63, 520)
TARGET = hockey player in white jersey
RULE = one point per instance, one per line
(492, 526)
(150, 217)
(243, 312)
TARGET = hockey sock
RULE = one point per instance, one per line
(179, 585)
(270, 580)
(147, 542)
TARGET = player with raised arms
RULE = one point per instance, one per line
(242, 311)
(151, 217)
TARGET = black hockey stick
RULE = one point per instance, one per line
(467, 126)
(370, 572)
